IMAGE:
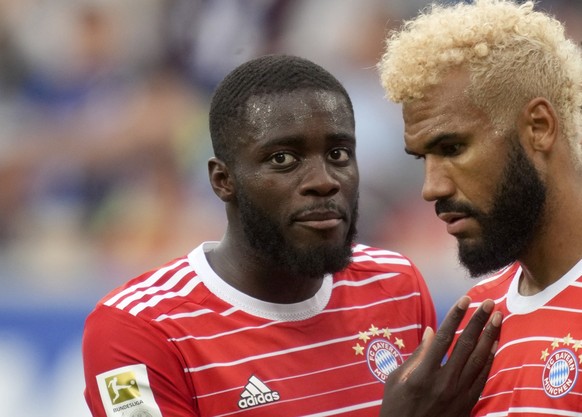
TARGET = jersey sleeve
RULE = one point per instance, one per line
(428, 311)
(131, 368)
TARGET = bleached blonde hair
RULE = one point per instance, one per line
(513, 53)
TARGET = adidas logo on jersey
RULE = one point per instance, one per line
(256, 393)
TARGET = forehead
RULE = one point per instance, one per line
(298, 108)
(445, 109)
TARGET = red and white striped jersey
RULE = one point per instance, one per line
(180, 342)
(537, 365)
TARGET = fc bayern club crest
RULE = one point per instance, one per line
(383, 358)
(560, 373)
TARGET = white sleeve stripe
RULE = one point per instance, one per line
(172, 282)
(148, 282)
(360, 248)
(379, 252)
(187, 289)
(383, 260)
(366, 281)
(188, 314)
(374, 251)
(497, 275)
(476, 305)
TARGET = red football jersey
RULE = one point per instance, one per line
(180, 342)
(537, 364)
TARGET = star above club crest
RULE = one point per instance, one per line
(364, 336)
(358, 349)
(577, 345)
(556, 343)
(374, 331)
(387, 333)
(399, 343)
(567, 340)
(545, 354)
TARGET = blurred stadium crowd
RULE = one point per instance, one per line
(104, 143)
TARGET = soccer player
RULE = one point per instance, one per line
(492, 103)
(286, 315)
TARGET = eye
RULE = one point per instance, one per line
(340, 155)
(282, 159)
(451, 149)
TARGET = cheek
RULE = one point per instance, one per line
(479, 184)
(267, 194)
(351, 181)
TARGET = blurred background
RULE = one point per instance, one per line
(103, 150)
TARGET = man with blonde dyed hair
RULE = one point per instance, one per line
(492, 103)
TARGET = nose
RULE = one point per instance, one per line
(319, 179)
(437, 183)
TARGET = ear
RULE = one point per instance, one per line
(220, 179)
(538, 125)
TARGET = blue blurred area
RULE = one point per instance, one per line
(40, 361)
(103, 150)
(50, 330)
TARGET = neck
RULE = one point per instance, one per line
(242, 268)
(556, 248)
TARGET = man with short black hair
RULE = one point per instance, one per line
(286, 315)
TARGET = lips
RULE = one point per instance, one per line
(451, 217)
(457, 222)
(319, 219)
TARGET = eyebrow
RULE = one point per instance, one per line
(290, 140)
(346, 137)
(297, 140)
(434, 142)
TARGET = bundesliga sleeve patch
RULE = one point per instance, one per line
(126, 392)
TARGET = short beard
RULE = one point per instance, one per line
(267, 238)
(518, 206)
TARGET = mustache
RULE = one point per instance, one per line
(448, 206)
(327, 206)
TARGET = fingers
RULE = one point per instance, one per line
(479, 383)
(469, 338)
(426, 387)
(417, 356)
(445, 334)
(482, 356)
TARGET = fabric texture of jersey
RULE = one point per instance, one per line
(536, 371)
(180, 342)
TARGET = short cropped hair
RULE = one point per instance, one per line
(512, 52)
(269, 74)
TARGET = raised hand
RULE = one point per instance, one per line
(424, 386)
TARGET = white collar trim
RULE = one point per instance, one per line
(272, 311)
(519, 304)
